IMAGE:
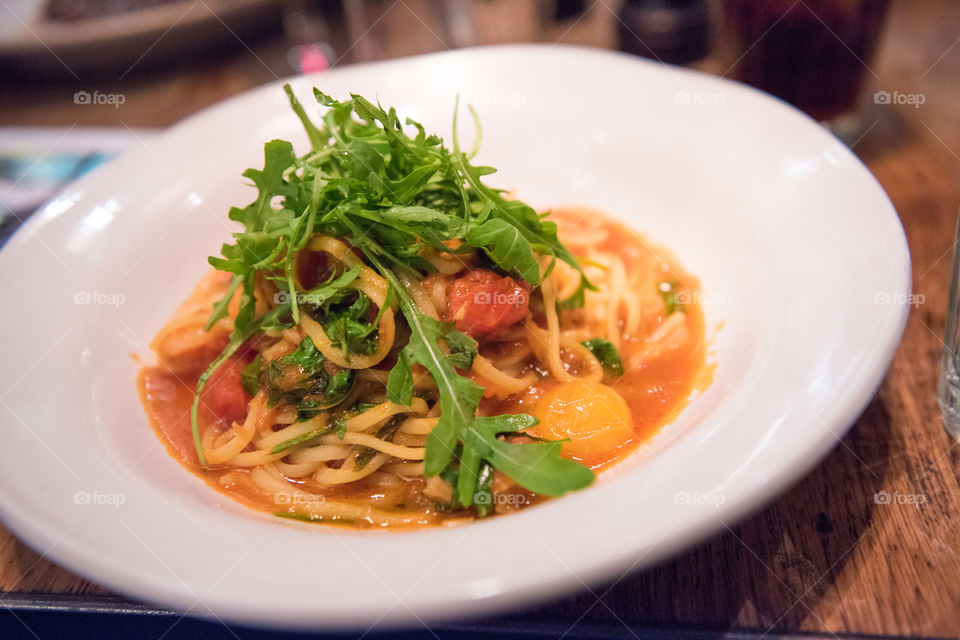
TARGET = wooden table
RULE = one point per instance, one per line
(825, 558)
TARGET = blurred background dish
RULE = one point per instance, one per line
(63, 38)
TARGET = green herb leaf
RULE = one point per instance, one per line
(250, 378)
(506, 246)
(400, 381)
(668, 290)
(534, 465)
(220, 308)
(331, 291)
(459, 396)
(483, 496)
(348, 331)
(306, 437)
(307, 357)
(607, 354)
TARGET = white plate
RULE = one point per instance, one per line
(803, 263)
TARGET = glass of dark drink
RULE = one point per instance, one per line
(813, 54)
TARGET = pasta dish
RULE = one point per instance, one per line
(390, 342)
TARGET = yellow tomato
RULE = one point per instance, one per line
(593, 416)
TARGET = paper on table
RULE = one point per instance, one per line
(36, 163)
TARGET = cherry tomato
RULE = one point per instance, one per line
(483, 303)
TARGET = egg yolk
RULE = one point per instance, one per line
(594, 418)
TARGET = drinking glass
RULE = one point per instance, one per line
(813, 54)
(948, 389)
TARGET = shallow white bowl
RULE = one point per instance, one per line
(804, 268)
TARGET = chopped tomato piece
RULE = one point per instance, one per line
(483, 303)
(224, 395)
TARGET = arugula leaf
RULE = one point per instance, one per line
(278, 157)
(483, 496)
(506, 246)
(468, 473)
(306, 437)
(400, 381)
(316, 137)
(220, 308)
(576, 299)
(386, 432)
(346, 330)
(306, 356)
(312, 519)
(671, 298)
(340, 426)
(338, 387)
(332, 291)
(250, 378)
(534, 465)
(463, 348)
(459, 396)
(451, 475)
(307, 409)
(607, 354)
(304, 380)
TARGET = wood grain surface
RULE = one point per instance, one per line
(827, 556)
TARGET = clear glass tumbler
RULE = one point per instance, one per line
(948, 389)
